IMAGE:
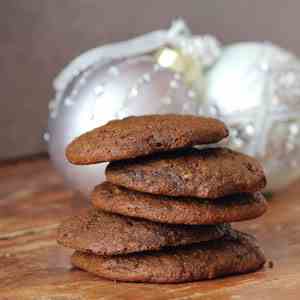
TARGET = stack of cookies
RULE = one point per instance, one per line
(164, 213)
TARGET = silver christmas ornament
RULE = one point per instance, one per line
(255, 89)
(103, 92)
(122, 79)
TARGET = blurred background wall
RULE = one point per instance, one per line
(38, 37)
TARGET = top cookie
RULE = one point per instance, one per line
(139, 136)
(207, 173)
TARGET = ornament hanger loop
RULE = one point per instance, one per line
(178, 28)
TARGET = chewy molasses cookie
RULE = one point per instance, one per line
(234, 254)
(178, 210)
(207, 173)
(109, 234)
(139, 136)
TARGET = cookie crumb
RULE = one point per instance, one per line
(271, 264)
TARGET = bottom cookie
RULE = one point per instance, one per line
(236, 253)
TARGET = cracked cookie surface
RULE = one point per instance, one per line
(207, 173)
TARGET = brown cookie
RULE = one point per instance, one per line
(178, 210)
(237, 253)
(138, 136)
(207, 173)
(109, 234)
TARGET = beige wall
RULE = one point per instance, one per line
(37, 37)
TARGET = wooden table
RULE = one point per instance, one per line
(33, 201)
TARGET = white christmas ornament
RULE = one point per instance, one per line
(255, 89)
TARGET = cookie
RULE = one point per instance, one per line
(237, 253)
(109, 234)
(207, 173)
(178, 210)
(139, 136)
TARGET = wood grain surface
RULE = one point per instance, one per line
(33, 201)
